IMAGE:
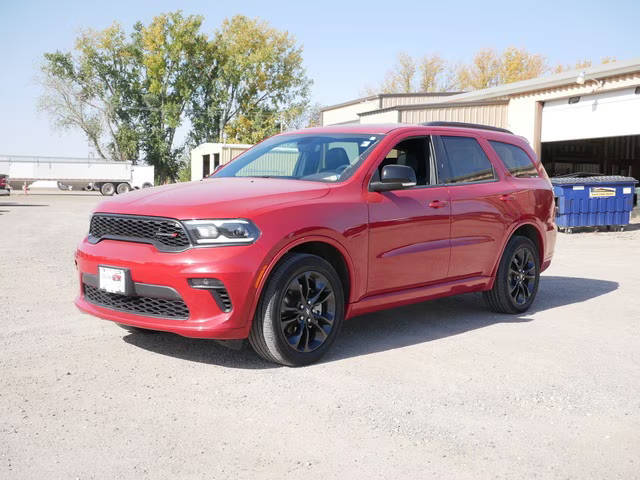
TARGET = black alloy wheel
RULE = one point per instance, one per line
(522, 275)
(307, 311)
(300, 313)
(517, 278)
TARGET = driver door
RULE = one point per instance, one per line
(409, 229)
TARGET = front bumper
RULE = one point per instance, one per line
(236, 267)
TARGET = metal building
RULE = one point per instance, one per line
(584, 120)
(205, 158)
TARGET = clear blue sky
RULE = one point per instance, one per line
(347, 45)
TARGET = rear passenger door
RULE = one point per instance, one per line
(480, 204)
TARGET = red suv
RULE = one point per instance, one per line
(312, 227)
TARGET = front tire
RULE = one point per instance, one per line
(516, 283)
(300, 312)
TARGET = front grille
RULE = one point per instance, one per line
(150, 306)
(166, 234)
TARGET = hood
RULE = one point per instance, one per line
(230, 197)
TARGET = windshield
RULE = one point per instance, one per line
(320, 158)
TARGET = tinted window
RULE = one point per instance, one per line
(413, 153)
(277, 162)
(515, 159)
(322, 158)
(465, 161)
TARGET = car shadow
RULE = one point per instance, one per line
(445, 317)
(389, 329)
(197, 350)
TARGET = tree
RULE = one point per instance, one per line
(518, 64)
(432, 68)
(168, 51)
(255, 77)
(314, 116)
(490, 68)
(129, 93)
(91, 91)
(581, 64)
(482, 73)
(400, 78)
(65, 103)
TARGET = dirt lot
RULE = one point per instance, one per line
(443, 389)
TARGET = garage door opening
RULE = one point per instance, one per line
(608, 156)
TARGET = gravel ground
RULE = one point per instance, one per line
(443, 389)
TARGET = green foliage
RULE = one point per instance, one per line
(129, 93)
(254, 76)
(184, 173)
(167, 50)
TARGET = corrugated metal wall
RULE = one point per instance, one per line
(229, 152)
(348, 113)
(494, 115)
(411, 100)
(281, 161)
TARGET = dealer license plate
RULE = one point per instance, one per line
(113, 280)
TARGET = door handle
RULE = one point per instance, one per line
(438, 204)
(507, 196)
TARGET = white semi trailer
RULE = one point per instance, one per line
(106, 176)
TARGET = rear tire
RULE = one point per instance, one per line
(123, 188)
(107, 189)
(300, 312)
(516, 283)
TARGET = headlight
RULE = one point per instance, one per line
(235, 231)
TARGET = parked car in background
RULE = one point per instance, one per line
(4, 185)
(312, 227)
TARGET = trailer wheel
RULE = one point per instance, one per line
(107, 189)
(147, 185)
(123, 188)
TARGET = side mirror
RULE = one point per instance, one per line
(394, 177)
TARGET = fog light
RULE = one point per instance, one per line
(205, 283)
(217, 290)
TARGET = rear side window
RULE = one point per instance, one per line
(515, 159)
(465, 161)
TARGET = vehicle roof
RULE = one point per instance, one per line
(382, 128)
(385, 128)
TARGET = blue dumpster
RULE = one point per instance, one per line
(593, 201)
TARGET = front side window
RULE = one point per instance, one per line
(414, 153)
(464, 161)
(515, 159)
(320, 158)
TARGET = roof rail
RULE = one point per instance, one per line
(466, 125)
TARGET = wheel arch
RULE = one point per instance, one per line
(530, 231)
(526, 229)
(324, 247)
(332, 255)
